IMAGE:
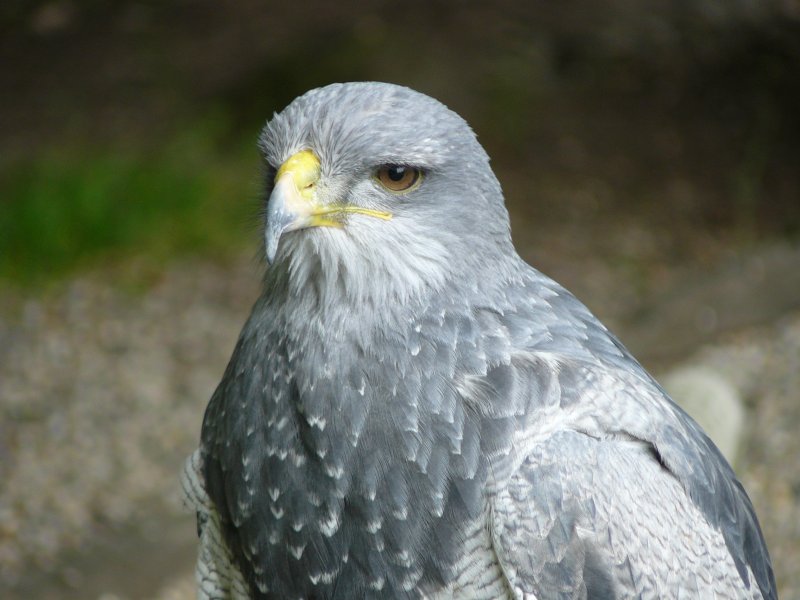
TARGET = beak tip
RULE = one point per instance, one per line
(271, 249)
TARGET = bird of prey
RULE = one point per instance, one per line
(411, 411)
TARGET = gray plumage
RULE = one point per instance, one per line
(411, 411)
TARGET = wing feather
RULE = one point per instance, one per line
(601, 518)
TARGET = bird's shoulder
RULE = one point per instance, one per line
(564, 371)
(579, 517)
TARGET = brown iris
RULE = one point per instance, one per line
(397, 178)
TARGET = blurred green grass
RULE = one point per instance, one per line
(78, 206)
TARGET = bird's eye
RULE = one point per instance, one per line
(397, 178)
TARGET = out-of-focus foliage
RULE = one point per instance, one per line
(65, 209)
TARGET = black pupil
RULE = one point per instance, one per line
(396, 173)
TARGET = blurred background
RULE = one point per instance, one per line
(650, 155)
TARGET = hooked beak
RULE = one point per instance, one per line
(294, 204)
(291, 205)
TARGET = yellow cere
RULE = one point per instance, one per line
(304, 167)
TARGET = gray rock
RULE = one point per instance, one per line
(713, 401)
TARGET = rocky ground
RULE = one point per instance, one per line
(102, 397)
(102, 391)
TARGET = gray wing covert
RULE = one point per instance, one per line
(601, 518)
(592, 385)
